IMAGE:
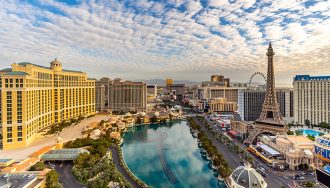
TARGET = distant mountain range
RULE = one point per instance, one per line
(161, 82)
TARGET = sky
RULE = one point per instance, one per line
(179, 39)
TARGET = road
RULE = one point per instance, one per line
(65, 176)
(234, 161)
(116, 160)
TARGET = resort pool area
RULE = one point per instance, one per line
(312, 132)
(167, 156)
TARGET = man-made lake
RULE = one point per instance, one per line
(166, 156)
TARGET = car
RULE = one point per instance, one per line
(52, 166)
(262, 172)
(301, 177)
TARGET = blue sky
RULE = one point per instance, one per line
(182, 39)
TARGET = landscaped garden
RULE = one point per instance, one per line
(58, 127)
(96, 169)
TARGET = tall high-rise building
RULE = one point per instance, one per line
(311, 99)
(217, 80)
(120, 95)
(151, 92)
(34, 97)
(178, 90)
(102, 93)
(212, 92)
(169, 83)
(250, 103)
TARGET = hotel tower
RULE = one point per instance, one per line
(34, 97)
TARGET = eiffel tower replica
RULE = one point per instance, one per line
(270, 120)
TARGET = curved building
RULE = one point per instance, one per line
(34, 97)
(322, 148)
(245, 177)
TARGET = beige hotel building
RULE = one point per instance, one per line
(311, 99)
(34, 97)
(120, 96)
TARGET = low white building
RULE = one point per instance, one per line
(245, 177)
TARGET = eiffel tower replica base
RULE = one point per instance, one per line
(265, 127)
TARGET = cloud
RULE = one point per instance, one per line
(217, 3)
(183, 39)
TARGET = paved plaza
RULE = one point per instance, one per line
(68, 133)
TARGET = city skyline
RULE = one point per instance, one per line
(178, 39)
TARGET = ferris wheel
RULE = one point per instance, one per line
(257, 73)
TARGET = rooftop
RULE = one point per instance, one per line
(63, 154)
(6, 70)
(245, 176)
(67, 70)
(16, 73)
(299, 139)
(28, 63)
(5, 160)
(44, 67)
(307, 78)
(268, 149)
(17, 180)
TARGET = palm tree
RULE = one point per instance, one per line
(307, 123)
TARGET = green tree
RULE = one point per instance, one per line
(52, 180)
(307, 123)
(290, 132)
(309, 184)
(39, 166)
(324, 125)
(250, 159)
(311, 137)
(153, 119)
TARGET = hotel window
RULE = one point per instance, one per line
(9, 107)
(17, 82)
(9, 137)
(11, 83)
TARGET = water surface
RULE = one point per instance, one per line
(310, 132)
(167, 156)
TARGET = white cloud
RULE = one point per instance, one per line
(274, 32)
(153, 39)
(296, 32)
(217, 3)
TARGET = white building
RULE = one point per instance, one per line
(311, 98)
(245, 177)
(212, 92)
